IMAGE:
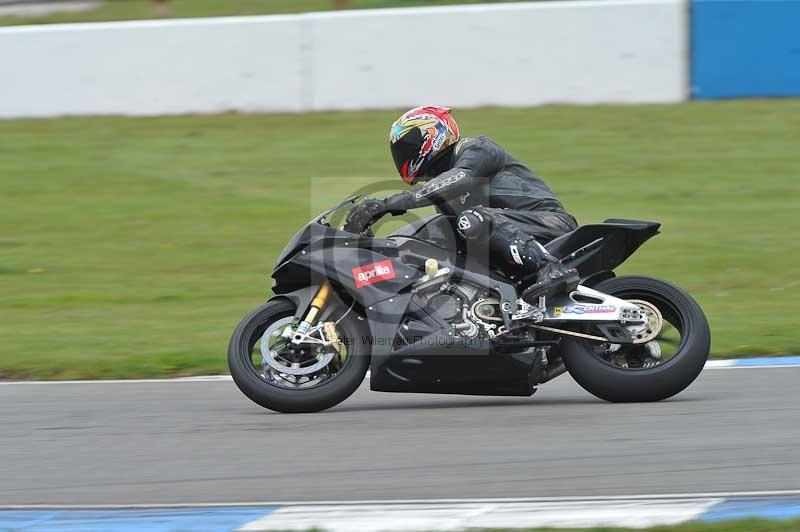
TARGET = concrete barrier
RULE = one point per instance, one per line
(497, 54)
(510, 54)
(151, 68)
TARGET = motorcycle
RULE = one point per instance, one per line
(422, 315)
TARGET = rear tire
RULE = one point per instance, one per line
(616, 384)
(287, 400)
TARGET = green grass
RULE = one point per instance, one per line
(132, 247)
(143, 9)
(746, 525)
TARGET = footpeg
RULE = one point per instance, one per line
(529, 312)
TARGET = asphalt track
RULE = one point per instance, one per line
(198, 442)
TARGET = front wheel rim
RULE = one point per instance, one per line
(288, 366)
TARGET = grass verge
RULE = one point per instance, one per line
(113, 10)
(131, 247)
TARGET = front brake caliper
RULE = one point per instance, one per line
(331, 336)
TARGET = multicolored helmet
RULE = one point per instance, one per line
(419, 137)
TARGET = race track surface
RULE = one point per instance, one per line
(195, 442)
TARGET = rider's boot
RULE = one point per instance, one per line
(553, 278)
(547, 275)
(514, 246)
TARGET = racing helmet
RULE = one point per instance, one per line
(419, 137)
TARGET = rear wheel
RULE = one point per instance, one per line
(284, 377)
(674, 349)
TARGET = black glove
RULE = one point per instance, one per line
(371, 210)
(364, 214)
(398, 204)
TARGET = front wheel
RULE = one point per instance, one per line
(284, 377)
(667, 361)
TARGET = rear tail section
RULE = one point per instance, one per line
(602, 247)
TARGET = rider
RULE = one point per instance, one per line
(497, 199)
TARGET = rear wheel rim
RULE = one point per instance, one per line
(664, 348)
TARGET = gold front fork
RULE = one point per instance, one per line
(318, 303)
(329, 334)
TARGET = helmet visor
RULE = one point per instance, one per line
(405, 152)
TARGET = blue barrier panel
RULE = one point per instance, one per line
(745, 48)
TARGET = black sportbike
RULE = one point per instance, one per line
(422, 316)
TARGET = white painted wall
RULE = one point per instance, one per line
(152, 68)
(465, 56)
(509, 54)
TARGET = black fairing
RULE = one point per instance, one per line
(438, 362)
(435, 360)
(435, 236)
(320, 252)
(602, 247)
(596, 247)
(436, 229)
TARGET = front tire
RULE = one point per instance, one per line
(253, 382)
(617, 384)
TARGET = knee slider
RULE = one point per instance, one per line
(474, 224)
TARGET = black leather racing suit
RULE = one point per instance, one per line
(497, 199)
